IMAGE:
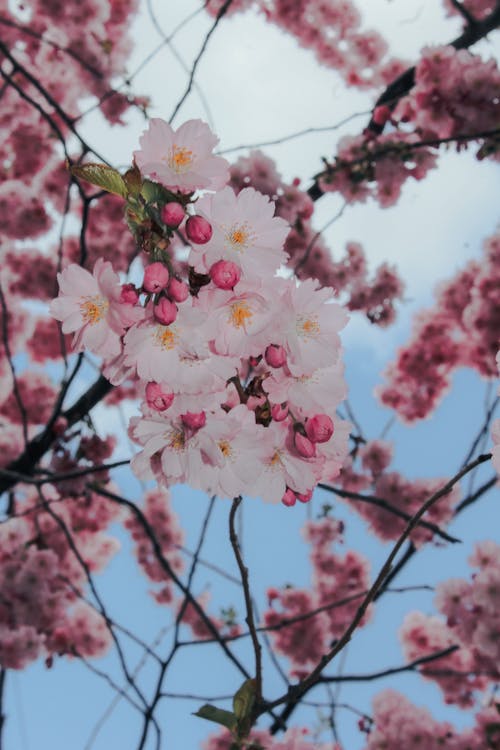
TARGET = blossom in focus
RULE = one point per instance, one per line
(90, 306)
(245, 231)
(181, 159)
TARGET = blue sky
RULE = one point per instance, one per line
(269, 89)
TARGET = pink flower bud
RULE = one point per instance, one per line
(288, 498)
(254, 361)
(157, 398)
(129, 294)
(172, 214)
(155, 277)
(279, 412)
(177, 290)
(225, 274)
(194, 421)
(305, 497)
(198, 230)
(381, 114)
(319, 428)
(165, 311)
(275, 355)
(304, 446)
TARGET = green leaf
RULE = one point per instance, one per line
(244, 699)
(153, 192)
(103, 176)
(218, 715)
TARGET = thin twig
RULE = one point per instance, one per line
(198, 57)
(249, 619)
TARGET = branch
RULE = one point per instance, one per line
(248, 599)
(3, 675)
(471, 20)
(36, 448)
(405, 82)
(162, 560)
(381, 503)
(181, 101)
(411, 667)
(294, 694)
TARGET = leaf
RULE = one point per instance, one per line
(153, 192)
(244, 699)
(133, 180)
(103, 176)
(218, 715)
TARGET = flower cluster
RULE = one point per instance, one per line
(41, 611)
(455, 94)
(460, 330)
(308, 253)
(339, 582)
(392, 499)
(260, 739)
(366, 166)
(472, 622)
(398, 723)
(240, 368)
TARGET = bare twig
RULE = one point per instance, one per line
(249, 619)
(198, 57)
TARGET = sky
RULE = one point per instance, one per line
(261, 86)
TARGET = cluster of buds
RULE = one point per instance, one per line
(239, 366)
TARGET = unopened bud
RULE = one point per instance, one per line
(157, 398)
(198, 230)
(172, 214)
(319, 428)
(279, 412)
(194, 421)
(129, 294)
(381, 114)
(275, 355)
(304, 446)
(225, 274)
(305, 497)
(177, 290)
(165, 311)
(288, 498)
(155, 277)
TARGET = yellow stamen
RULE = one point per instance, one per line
(176, 440)
(180, 158)
(240, 313)
(308, 328)
(239, 236)
(225, 448)
(94, 309)
(166, 337)
(276, 461)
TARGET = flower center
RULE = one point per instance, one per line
(176, 440)
(308, 328)
(165, 337)
(94, 309)
(240, 313)
(276, 461)
(239, 237)
(225, 448)
(180, 159)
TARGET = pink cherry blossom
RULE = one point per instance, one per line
(245, 231)
(90, 306)
(181, 159)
